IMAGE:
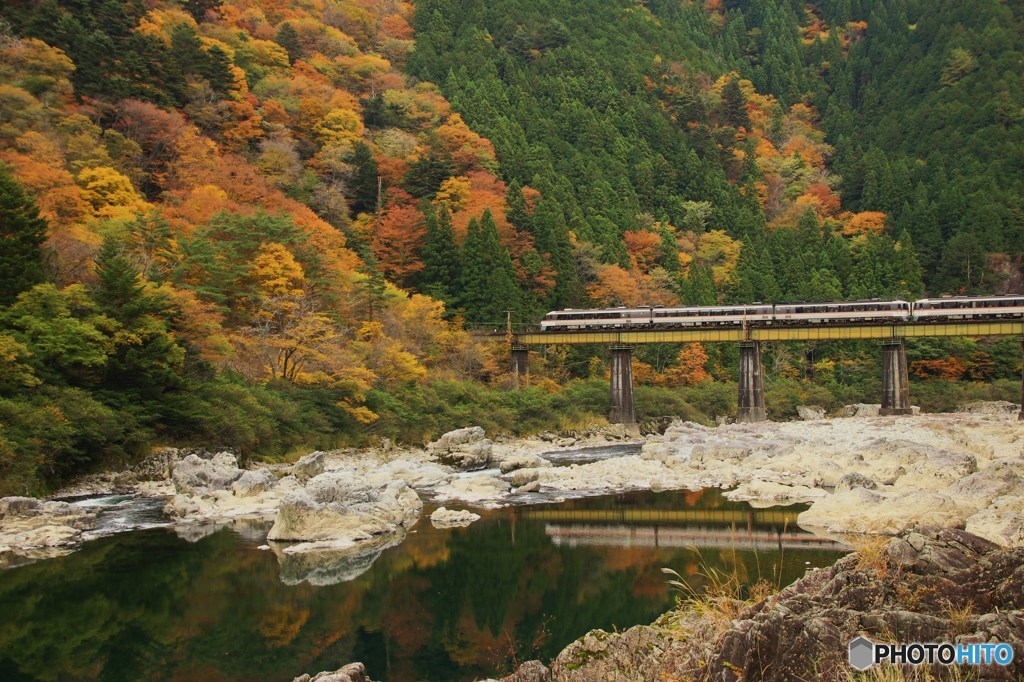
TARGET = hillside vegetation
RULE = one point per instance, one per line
(263, 224)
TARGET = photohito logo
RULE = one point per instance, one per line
(863, 653)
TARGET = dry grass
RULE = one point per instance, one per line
(906, 673)
(871, 556)
(959, 616)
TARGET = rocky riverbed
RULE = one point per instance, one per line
(929, 585)
(861, 474)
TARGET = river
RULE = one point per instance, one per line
(454, 604)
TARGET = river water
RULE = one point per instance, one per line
(456, 604)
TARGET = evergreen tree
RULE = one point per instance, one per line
(216, 69)
(440, 274)
(288, 38)
(22, 235)
(365, 184)
(734, 105)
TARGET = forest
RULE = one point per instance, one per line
(272, 226)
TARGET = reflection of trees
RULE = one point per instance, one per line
(445, 605)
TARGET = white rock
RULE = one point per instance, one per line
(465, 449)
(481, 489)
(810, 412)
(860, 510)
(309, 466)
(194, 474)
(253, 483)
(521, 477)
(338, 510)
(451, 518)
(522, 461)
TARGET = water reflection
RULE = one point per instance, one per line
(452, 604)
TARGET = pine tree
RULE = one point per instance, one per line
(120, 292)
(216, 69)
(365, 184)
(288, 38)
(22, 235)
(734, 105)
(515, 208)
(440, 273)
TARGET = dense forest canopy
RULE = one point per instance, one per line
(264, 223)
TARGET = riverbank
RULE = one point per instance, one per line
(930, 585)
(861, 475)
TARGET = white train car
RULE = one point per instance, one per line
(715, 316)
(969, 308)
(843, 311)
(596, 318)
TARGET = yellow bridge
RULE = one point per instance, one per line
(751, 408)
(824, 332)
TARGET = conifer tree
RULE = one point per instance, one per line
(22, 235)
(288, 38)
(440, 274)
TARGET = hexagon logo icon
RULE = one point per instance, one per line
(862, 653)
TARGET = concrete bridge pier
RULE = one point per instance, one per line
(1020, 415)
(751, 399)
(622, 410)
(895, 382)
(520, 366)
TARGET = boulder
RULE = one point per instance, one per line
(703, 455)
(521, 477)
(565, 442)
(522, 461)
(308, 467)
(810, 412)
(465, 449)
(860, 410)
(353, 672)
(451, 518)
(855, 480)
(253, 483)
(479, 489)
(30, 524)
(988, 407)
(860, 510)
(339, 510)
(531, 671)
(530, 487)
(196, 475)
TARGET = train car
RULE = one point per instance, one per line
(843, 311)
(596, 318)
(712, 316)
(969, 308)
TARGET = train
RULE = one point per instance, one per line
(873, 311)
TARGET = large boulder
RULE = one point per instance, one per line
(859, 510)
(860, 410)
(353, 672)
(308, 466)
(28, 524)
(452, 518)
(197, 475)
(252, 483)
(339, 509)
(988, 407)
(465, 449)
(523, 460)
(810, 412)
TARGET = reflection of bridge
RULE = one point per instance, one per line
(740, 518)
(674, 536)
(895, 381)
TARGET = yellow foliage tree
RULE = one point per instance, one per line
(111, 194)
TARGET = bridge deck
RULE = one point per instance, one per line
(773, 333)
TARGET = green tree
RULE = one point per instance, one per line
(22, 235)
